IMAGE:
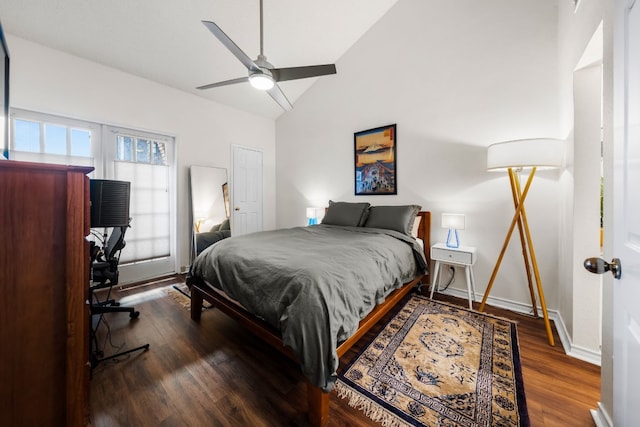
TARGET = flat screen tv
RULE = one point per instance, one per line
(4, 96)
(109, 203)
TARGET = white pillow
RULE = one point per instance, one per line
(416, 226)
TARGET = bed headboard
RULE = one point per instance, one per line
(424, 233)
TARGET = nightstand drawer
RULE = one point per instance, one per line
(452, 255)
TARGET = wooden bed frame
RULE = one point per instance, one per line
(318, 400)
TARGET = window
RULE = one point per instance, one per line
(142, 158)
(146, 151)
(44, 138)
(145, 160)
(27, 136)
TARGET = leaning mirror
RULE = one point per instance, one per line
(208, 208)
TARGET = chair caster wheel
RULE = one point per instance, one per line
(134, 314)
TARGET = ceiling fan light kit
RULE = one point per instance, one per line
(261, 74)
(261, 81)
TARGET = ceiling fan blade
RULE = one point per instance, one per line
(294, 73)
(279, 97)
(229, 44)
(225, 83)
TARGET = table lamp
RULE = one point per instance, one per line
(514, 157)
(314, 215)
(453, 222)
(311, 216)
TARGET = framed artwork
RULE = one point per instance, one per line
(375, 161)
(225, 196)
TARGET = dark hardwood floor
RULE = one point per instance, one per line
(215, 373)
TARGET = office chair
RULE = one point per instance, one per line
(105, 274)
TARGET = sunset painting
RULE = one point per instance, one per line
(375, 161)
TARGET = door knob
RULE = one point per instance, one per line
(236, 208)
(600, 266)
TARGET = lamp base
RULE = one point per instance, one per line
(452, 239)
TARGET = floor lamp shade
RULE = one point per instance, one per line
(525, 153)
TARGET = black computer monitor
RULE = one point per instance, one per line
(110, 203)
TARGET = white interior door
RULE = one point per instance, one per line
(246, 190)
(626, 213)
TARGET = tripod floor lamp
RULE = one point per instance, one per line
(514, 157)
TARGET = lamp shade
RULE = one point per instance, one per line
(525, 153)
(453, 221)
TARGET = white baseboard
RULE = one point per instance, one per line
(601, 417)
(593, 357)
(514, 306)
(585, 354)
(578, 352)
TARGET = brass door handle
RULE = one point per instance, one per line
(600, 266)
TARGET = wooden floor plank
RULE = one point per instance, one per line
(215, 373)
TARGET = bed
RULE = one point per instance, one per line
(312, 292)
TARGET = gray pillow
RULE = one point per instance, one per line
(345, 213)
(225, 225)
(398, 218)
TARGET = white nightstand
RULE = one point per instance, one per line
(463, 256)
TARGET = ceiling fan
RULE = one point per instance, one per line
(263, 75)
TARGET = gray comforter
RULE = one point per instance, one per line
(314, 284)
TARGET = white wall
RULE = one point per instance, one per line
(455, 76)
(576, 30)
(54, 82)
(587, 301)
(581, 55)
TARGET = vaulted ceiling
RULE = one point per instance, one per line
(166, 42)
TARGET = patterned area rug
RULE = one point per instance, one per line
(182, 295)
(436, 364)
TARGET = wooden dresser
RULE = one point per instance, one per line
(44, 276)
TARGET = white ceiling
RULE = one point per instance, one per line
(164, 40)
